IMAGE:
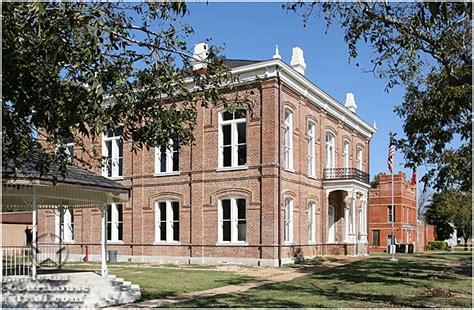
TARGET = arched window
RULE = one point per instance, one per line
(311, 150)
(233, 139)
(167, 221)
(345, 154)
(288, 143)
(330, 150)
(232, 220)
(288, 220)
(359, 158)
(312, 222)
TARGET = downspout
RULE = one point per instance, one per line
(261, 173)
(279, 167)
(190, 203)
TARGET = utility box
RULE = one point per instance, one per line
(112, 256)
(391, 249)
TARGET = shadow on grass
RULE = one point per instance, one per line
(367, 283)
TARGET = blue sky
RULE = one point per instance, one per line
(251, 31)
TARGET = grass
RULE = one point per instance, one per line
(162, 281)
(430, 280)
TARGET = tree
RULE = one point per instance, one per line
(427, 48)
(451, 208)
(375, 181)
(424, 198)
(75, 69)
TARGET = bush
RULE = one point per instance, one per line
(437, 245)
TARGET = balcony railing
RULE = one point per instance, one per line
(345, 174)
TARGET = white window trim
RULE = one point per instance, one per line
(67, 236)
(70, 156)
(115, 224)
(345, 153)
(288, 222)
(234, 142)
(288, 143)
(169, 222)
(360, 158)
(169, 161)
(312, 223)
(233, 222)
(115, 157)
(330, 151)
(311, 150)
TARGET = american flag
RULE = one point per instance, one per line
(391, 152)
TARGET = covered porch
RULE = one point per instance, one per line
(346, 196)
(78, 189)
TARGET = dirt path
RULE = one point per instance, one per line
(262, 276)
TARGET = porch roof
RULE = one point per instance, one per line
(78, 188)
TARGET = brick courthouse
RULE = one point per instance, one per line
(289, 179)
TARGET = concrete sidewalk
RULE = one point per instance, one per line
(262, 275)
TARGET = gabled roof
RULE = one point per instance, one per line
(74, 175)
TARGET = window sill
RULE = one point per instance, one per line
(312, 242)
(312, 177)
(114, 242)
(289, 170)
(232, 168)
(288, 243)
(167, 243)
(115, 178)
(231, 243)
(67, 242)
(166, 174)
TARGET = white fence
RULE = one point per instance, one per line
(18, 260)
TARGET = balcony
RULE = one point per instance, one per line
(345, 174)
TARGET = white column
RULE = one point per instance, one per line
(33, 243)
(104, 241)
(346, 224)
(363, 205)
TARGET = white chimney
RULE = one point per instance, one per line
(350, 102)
(199, 56)
(297, 60)
(277, 53)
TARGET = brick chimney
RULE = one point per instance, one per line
(297, 60)
(200, 55)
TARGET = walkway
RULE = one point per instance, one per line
(262, 275)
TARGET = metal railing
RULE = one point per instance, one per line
(16, 261)
(346, 173)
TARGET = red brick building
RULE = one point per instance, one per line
(381, 217)
(289, 179)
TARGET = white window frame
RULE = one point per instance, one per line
(170, 158)
(390, 216)
(312, 222)
(288, 140)
(169, 222)
(115, 224)
(233, 221)
(67, 235)
(234, 141)
(311, 150)
(116, 143)
(359, 158)
(330, 150)
(288, 221)
(345, 153)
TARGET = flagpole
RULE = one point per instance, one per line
(416, 210)
(393, 225)
(393, 205)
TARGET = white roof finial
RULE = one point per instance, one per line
(375, 125)
(277, 53)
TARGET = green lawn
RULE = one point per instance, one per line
(159, 282)
(430, 280)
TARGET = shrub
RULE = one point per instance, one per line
(437, 245)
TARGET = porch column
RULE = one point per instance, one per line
(104, 240)
(352, 217)
(33, 242)
(363, 205)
